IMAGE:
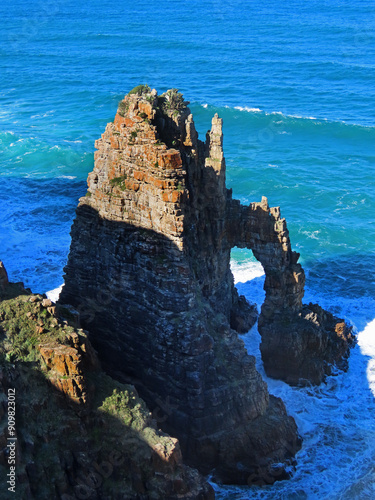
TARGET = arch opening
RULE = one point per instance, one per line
(249, 279)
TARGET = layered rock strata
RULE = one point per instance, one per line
(149, 271)
(300, 343)
(80, 434)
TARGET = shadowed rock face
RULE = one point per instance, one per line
(300, 343)
(3, 277)
(80, 434)
(149, 272)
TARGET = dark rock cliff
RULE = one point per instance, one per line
(149, 272)
(74, 432)
(300, 343)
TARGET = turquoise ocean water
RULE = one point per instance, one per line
(294, 82)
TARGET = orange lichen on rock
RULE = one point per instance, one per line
(65, 366)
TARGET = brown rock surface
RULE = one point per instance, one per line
(149, 271)
(65, 365)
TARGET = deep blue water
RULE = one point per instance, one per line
(294, 82)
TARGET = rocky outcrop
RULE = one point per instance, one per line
(65, 365)
(300, 343)
(79, 433)
(7, 289)
(149, 271)
(311, 341)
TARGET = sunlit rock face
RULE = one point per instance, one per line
(149, 272)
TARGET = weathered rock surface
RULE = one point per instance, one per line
(79, 433)
(310, 341)
(149, 271)
(300, 343)
(65, 364)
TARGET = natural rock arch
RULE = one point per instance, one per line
(155, 233)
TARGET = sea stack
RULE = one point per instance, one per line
(149, 272)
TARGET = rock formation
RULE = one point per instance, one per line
(79, 433)
(149, 272)
(300, 343)
(3, 277)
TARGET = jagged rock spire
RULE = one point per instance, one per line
(215, 158)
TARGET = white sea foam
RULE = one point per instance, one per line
(303, 117)
(298, 117)
(54, 294)
(314, 235)
(336, 419)
(246, 271)
(248, 109)
(44, 115)
(204, 105)
(67, 177)
(366, 342)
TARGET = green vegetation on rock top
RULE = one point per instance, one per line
(172, 101)
(25, 323)
(140, 90)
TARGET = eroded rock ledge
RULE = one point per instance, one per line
(149, 271)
